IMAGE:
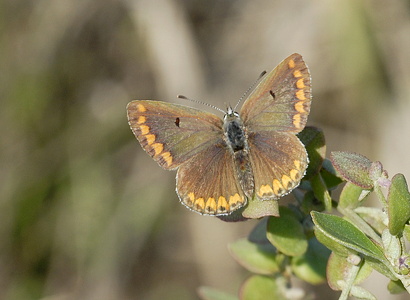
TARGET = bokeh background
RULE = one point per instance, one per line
(84, 212)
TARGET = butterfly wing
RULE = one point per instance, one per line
(279, 161)
(191, 140)
(281, 101)
(208, 184)
(273, 113)
(170, 133)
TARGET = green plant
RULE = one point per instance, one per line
(318, 238)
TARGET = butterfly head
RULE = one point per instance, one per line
(230, 115)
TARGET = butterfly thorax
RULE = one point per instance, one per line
(235, 137)
(234, 131)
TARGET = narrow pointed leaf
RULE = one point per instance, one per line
(346, 234)
(332, 244)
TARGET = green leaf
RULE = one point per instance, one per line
(207, 293)
(332, 244)
(381, 268)
(338, 266)
(286, 233)
(260, 287)
(346, 234)
(396, 287)
(329, 175)
(255, 209)
(310, 203)
(361, 293)
(376, 170)
(373, 216)
(258, 233)
(406, 232)
(391, 245)
(349, 197)
(258, 209)
(353, 167)
(321, 192)
(314, 141)
(311, 266)
(399, 204)
(255, 258)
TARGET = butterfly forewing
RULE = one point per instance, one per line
(279, 162)
(273, 113)
(170, 133)
(281, 101)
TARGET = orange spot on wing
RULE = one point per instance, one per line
(235, 200)
(210, 205)
(299, 107)
(141, 120)
(291, 64)
(297, 73)
(158, 148)
(285, 181)
(141, 108)
(191, 199)
(294, 174)
(200, 204)
(297, 120)
(300, 84)
(277, 187)
(265, 190)
(223, 205)
(300, 95)
(150, 138)
(144, 129)
(297, 164)
(167, 157)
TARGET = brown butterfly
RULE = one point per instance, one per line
(222, 163)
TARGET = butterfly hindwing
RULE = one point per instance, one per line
(279, 161)
(281, 101)
(170, 133)
(208, 183)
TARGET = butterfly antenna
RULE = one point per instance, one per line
(249, 89)
(200, 102)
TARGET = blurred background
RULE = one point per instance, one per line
(84, 212)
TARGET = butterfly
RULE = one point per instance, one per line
(221, 163)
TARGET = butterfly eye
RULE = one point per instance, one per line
(177, 122)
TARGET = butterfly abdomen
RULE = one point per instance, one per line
(244, 172)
